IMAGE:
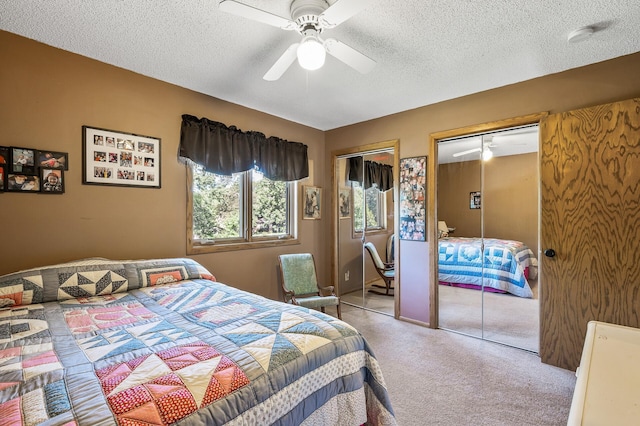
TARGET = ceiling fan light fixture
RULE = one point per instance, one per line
(487, 154)
(311, 53)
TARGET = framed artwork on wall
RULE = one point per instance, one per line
(311, 202)
(413, 198)
(122, 159)
(53, 160)
(4, 155)
(475, 200)
(23, 160)
(52, 181)
(17, 182)
(3, 177)
(344, 203)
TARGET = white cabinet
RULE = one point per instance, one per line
(608, 380)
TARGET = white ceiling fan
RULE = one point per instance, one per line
(487, 154)
(309, 18)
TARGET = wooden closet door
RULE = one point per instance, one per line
(590, 207)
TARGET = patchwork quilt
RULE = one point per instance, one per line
(101, 342)
(503, 265)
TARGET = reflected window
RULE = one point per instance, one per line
(372, 211)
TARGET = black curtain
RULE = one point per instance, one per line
(226, 150)
(373, 173)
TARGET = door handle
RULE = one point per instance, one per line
(550, 252)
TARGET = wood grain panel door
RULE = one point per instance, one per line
(590, 207)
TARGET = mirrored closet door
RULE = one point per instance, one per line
(365, 222)
(487, 210)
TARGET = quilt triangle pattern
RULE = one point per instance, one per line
(277, 339)
(165, 387)
(108, 344)
(91, 283)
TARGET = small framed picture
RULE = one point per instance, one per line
(312, 202)
(4, 155)
(53, 160)
(475, 200)
(23, 160)
(3, 177)
(52, 181)
(344, 203)
(23, 183)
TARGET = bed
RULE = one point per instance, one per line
(160, 341)
(506, 266)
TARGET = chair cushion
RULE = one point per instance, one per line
(299, 273)
(317, 301)
(374, 255)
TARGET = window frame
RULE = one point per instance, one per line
(382, 215)
(247, 240)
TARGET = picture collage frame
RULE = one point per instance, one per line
(117, 158)
(413, 183)
(29, 170)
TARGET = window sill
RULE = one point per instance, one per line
(200, 248)
(378, 231)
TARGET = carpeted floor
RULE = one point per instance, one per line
(436, 377)
(503, 318)
(376, 302)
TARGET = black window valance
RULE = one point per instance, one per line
(371, 172)
(226, 150)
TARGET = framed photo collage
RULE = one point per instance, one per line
(30, 170)
(123, 159)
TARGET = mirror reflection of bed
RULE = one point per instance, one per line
(488, 237)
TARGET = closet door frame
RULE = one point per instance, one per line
(433, 196)
(393, 144)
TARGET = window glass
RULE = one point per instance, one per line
(243, 208)
(375, 208)
(216, 205)
(269, 206)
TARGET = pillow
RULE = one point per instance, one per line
(97, 276)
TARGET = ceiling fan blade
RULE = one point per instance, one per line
(349, 55)
(340, 11)
(282, 64)
(249, 12)
(469, 151)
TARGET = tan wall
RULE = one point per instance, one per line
(49, 94)
(509, 198)
(455, 182)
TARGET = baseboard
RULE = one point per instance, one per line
(416, 322)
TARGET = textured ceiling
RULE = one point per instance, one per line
(426, 51)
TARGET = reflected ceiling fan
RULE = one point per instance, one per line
(309, 18)
(487, 154)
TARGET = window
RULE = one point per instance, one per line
(376, 208)
(244, 210)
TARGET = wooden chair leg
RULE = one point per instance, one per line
(338, 309)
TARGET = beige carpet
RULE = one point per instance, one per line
(503, 318)
(375, 302)
(436, 377)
